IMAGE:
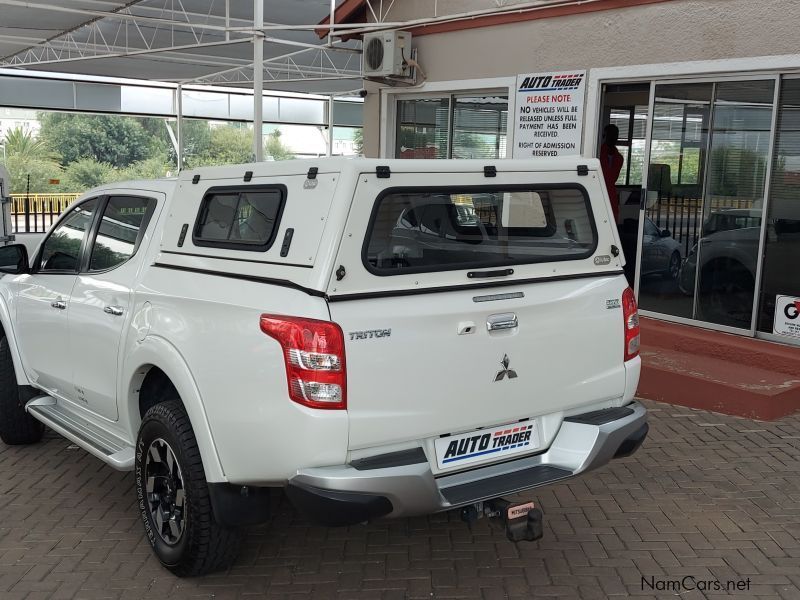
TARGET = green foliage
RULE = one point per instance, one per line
(87, 173)
(275, 148)
(116, 140)
(225, 145)
(40, 171)
(155, 167)
(196, 140)
(68, 247)
(26, 155)
(24, 144)
(358, 141)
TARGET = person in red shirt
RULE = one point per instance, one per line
(611, 162)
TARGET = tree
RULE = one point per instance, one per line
(116, 140)
(87, 173)
(28, 147)
(275, 148)
(196, 140)
(25, 155)
(154, 167)
(358, 141)
(225, 145)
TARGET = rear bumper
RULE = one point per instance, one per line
(346, 494)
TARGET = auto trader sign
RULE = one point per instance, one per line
(549, 115)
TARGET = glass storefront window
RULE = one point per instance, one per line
(780, 276)
(673, 214)
(713, 200)
(708, 165)
(728, 252)
(422, 128)
(479, 127)
(473, 126)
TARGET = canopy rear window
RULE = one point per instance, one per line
(416, 230)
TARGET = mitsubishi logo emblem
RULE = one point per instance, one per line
(505, 372)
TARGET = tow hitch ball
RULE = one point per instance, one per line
(522, 521)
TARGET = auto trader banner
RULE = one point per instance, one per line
(549, 116)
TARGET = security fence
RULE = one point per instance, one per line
(34, 213)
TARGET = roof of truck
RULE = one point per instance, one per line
(166, 185)
(340, 164)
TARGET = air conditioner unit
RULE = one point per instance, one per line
(385, 54)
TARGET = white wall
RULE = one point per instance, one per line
(674, 31)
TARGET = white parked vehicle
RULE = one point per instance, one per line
(380, 338)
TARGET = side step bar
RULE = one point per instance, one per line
(92, 439)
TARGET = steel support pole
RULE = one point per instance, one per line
(330, 126)
(330, 29)
(179, 125)
(258, 81)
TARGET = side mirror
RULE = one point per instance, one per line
(14, 259)
(666, 233)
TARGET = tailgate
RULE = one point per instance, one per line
(426, 365)
(469, 302)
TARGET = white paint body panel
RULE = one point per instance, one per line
(194, 313)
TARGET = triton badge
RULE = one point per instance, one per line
(505, 372)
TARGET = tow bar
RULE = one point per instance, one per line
(522, 520)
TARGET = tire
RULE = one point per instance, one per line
(16, 425)
(674, 266)
(188, 541)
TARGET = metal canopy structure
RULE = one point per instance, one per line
(233, 43)
(284, 45)
(207, 42)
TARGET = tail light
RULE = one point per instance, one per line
(631, 316)
(313, 352)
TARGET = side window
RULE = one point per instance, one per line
(61, 251)
(124, 221)
(650, 229)
(244, 219)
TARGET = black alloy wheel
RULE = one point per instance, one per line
(166, 495)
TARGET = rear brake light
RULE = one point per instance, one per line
(313, 352)
(631, 318)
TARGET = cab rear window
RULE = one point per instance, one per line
(415, 230)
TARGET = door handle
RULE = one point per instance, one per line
(59, 304)
(501, 321)
(113, 310)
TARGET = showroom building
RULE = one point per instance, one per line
(709, 116)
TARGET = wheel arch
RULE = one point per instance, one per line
(8, 331)
(150, 367)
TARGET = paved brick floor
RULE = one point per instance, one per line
(708, 496)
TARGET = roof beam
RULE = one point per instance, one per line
(30, 59)
(123, 14)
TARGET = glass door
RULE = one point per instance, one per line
(709, 157)
(779, 316)
(726, 261)
(672, 210)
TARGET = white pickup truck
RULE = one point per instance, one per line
(380, 338)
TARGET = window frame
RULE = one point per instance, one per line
(86, 259)
(239, 245)
(463, 189)
(451, 97)
(37, 262)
